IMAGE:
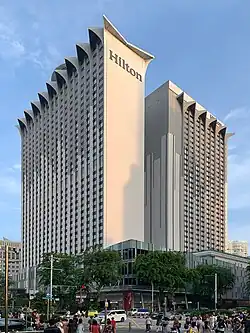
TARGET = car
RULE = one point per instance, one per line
(13, 324)
(156, 315)
(118, 315)
(142, 312)
(92, 313)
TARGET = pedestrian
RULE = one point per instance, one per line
(158, 322)
(108, 327)
(247, 324)
(80, 326)
(148, 324)
(199, 324)
(212, 321)
(65, 325)
(72, 326)
(52, 328)
(113, 324)
(193, 328)
(206, 328)
(220, 327)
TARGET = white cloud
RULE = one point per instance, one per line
(17, 166)
(239, 113)
(17, 47)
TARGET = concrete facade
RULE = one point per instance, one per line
(237, 264)
(185, 173)
(83, 151)
(239, 248)
(130, 249)
(14, 257)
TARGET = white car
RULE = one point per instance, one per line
(118, 315)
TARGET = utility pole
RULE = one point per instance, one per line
(50, 295)
(215, 290)
(152, 296)
(6, 286)
(51, 282)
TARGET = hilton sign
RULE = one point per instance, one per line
(122, 63)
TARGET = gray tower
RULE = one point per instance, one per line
(185, 173)
(83, 151)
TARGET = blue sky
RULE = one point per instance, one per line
(202, 46)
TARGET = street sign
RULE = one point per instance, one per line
(48, 296)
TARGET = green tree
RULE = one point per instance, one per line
(166, 271)
(66, 277)
(2, 286)
(204, 281)
(101, 267)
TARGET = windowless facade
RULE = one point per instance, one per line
(83, 150)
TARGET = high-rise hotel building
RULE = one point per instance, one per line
(185, 173)
(83, 150)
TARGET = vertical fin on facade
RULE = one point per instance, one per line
(191, 106)
(43, 97)
(95, 36)
(19, 129)
(52, 88)
(201, 112)
(212, 121)
(36, 107)
(222, 132)
(61, 76)
(180, 98)
(83, 51)
(22, 124)
(71, 64)
(28, 116)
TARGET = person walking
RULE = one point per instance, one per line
(80, 326)
(108, 327)
(94, 327)
(220, 327)
(206, 328)
(52, 328)
(113, 324)
(72, 326)
(148, 324)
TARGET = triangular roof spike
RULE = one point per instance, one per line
(71, 64)
(52, 88)
(83, 51)
(22, 123)
(19, 129)
(61, 76)
(28, 116)
(36, 107)
(60, 67)
(112, 29)
(95, 36)
(180, 98)
(43, 97)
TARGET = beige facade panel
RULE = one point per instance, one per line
(124, 72)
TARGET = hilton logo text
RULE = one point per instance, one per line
(122, 63)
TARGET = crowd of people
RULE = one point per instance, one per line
(76, 325)
(237, 323)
